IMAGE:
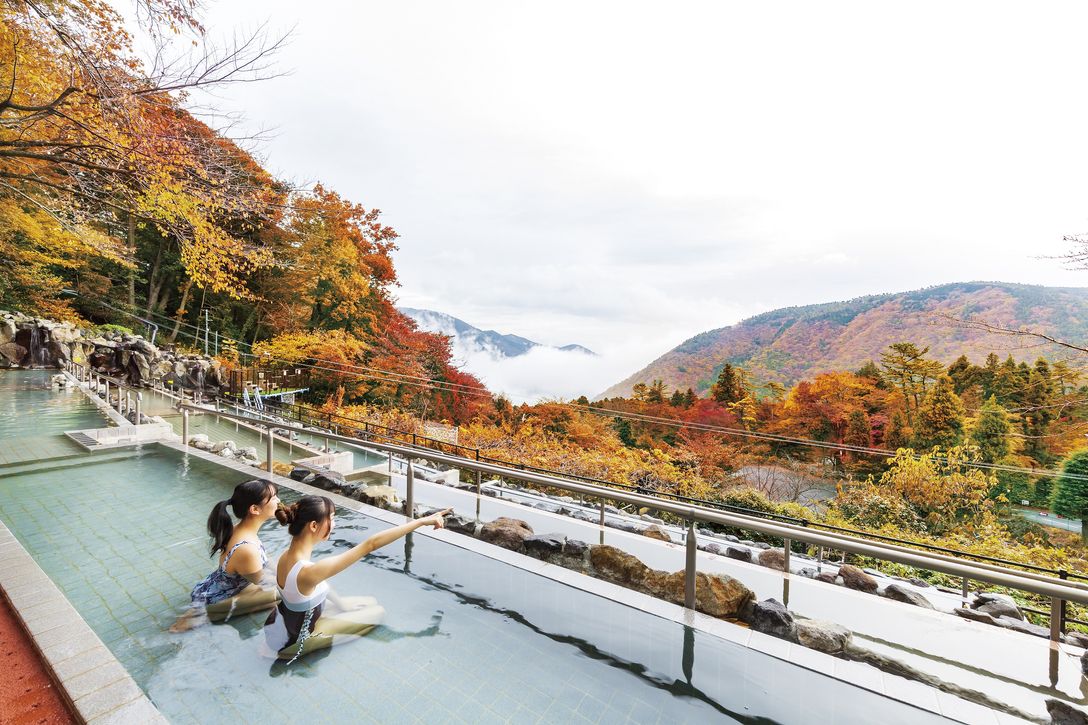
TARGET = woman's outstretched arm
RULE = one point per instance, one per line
(330, 566)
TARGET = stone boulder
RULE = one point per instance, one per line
(718, 595)
(826, 637)
(656, 532)
(543, 546)
(739, 554)
(7, 330)
(300, 474)
(904, 594)
(1020, 625)
(771, 617)
(249, 453)
(618, 567)
(773, 559)
(855, 578)
(575, 548)
(507, 533)
(379, 495)
(974, 616)
(1062, 713)
(997, 605)
(826, 577)
(224, 444)
(709, 548)
(461, 524)
(11, 353)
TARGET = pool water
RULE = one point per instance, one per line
(30, 406)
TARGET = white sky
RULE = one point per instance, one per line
(625, 175)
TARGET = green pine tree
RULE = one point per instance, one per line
(730, 387)
(940, 417)
(991, 432)
(1071, 496)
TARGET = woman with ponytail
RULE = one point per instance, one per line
(297, 625)
(233, 587)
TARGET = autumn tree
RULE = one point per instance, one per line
(656, 392)
(940, 417)
(907, 369)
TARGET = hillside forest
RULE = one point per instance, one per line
(119, 206)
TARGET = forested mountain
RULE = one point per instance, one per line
(470, 339)
(792, 343)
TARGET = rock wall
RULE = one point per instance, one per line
(33, 342)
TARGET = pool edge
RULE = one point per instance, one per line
(97, 687)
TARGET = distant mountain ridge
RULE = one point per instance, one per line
(470, 339)
(792, 343)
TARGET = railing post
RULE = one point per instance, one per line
(185, 428)
(390, 460)
(689, 569)
(270, 452)
(602, 521)
(108, 394)
(786, 543)
(820, 560)
(139, 401)
(965, 582)
(1056, 606)
(409, 498)
(479, 485)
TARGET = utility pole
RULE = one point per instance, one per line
(207, 328)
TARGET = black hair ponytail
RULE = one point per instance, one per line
(246, 494)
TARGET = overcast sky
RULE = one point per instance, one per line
(625, 175)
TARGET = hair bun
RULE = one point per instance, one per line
(286, 514)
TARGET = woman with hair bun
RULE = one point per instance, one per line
(233, 587)
(297, 625)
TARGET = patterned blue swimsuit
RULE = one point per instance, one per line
(221, 585)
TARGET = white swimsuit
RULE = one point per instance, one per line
(294, 618)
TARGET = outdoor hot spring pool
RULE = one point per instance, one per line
(467, 638)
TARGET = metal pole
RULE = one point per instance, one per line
(602, 521)
(390, 456)
(1056, 620)
(185, 428)
(689, 569)
(139, 401)
(820, 560)
(786, 555)
(965, 591)
(271, 444)
(479, 484)
(107, 392)
(409, 499)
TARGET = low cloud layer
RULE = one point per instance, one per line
(676, 169)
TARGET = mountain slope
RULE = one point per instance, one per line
(468, 339)
(792, 343)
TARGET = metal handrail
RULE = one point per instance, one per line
(1057, 589)
(367, 427)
